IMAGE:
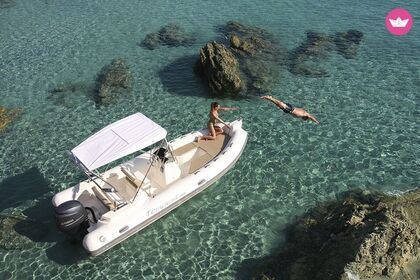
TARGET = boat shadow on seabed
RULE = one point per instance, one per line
(26, 186)
(21, 230)
(66, 250)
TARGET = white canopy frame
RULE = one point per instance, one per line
(117, 140)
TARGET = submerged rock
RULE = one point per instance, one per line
(259, 55)
(260, 75)
(348, 42)
(4, 4)
(7, 116)
(303, 59)
(68, 87)
(71, 94)
(171, 35)
(247, 40)
(220, 68)
(9, 238)
(113, 80)
(362, 234)
(235, 27)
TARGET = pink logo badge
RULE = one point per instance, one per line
(399, 21)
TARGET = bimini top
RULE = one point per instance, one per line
(117, 140)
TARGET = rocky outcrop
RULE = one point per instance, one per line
(7, 116)
(113, 80)
(363, 234)
(171, 35)
(348, 42)
(220, 67)
(257, 55)
(248, 40)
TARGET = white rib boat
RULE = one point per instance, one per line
(111, 206)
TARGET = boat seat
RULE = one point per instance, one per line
(102, 196)
(185, 153)
(136, 182)
(183, 149)
(163, 175)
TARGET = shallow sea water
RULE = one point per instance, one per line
(369, 137)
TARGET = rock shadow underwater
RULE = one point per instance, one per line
(178, 78)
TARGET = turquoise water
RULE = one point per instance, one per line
(368, 137)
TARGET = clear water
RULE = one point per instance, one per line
(368, 107)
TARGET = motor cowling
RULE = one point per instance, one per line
(70, 216)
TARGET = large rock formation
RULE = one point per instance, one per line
(220, 67)
(7, 116)
(171, 35)
(257, 55)
(113, 80)
(362, 235)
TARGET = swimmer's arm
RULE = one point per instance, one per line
(312, 118)
(276, 102)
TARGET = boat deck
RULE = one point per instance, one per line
(126, 179)
(204, 151)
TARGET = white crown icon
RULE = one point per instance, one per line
(398, 22)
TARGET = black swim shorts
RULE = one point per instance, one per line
(289, 108)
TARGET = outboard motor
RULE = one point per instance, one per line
(70, 216)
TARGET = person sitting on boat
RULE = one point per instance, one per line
(289, 108)
(212, 124)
